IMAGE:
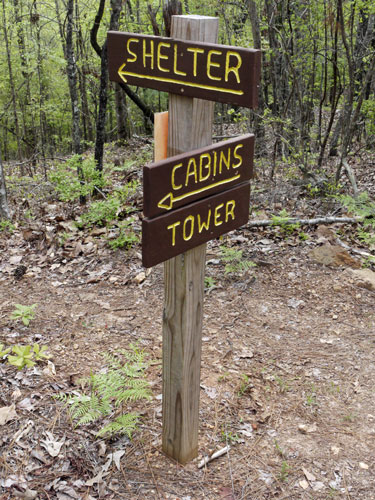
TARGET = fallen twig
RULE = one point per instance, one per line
(217, 454)
(306, 222)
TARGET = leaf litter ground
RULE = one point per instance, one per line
(287, 370)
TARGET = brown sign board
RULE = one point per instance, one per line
(182, 179)
(184, 228)
(195, 69)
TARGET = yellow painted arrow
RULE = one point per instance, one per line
(123, 74)
(169, 199)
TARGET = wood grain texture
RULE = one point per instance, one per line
(190, 127)
(160, 135)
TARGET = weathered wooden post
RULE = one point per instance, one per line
(190, 127)
(198, 193)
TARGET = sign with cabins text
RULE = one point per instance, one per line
(179, 181)
(197, 196)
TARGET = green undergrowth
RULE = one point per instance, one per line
(111, 211)
(106, 395)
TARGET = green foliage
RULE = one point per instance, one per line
(284, 471)
(102, 213)
(229, 437)
(283, 221)
(3, 352)
(209, 282)
(108, 392)
(127, 238)
(364, 207)
(65, 179)
(234, 261)
(24, 355)
(361, 206)
(245, 385)
(24, 313)
(6, 226)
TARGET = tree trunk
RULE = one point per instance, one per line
(12, 88)
(123, 132)
(72, 81)
(4, 208)
(258, 114)
(116, 6)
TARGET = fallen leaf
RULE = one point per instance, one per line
(7, 413)
(317, 486)
(308, 475)
(49, 370)
(52, 446)
(15, 259)
(27, 494)
(307, 429)
(116, 457)
(304, 484)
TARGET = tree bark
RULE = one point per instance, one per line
(12, 88)
(4, 208)
(72, 81)
(116, 6)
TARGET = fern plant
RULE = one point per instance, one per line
(107, 393)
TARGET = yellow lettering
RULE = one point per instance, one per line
(148, 54)
(204, 225)
(176, 71)
(161, 56)
(215, 162)
(192, 172)
(217, 220)
(229, 211)
(190, 219)
(173, 227)
(131, 40)
(225, 160)
(207, 166)
(195, 51)
(211, 64)
(232, 69)
(172, 177)
(238, 157)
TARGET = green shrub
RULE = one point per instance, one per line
(66, 182)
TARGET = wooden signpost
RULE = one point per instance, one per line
(198, 193)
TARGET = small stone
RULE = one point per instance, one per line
(364, 278)
(334, 255)
(363, 466)
(335, 450)
(140, 278)
(75, 346)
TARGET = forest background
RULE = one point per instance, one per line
(316, 98)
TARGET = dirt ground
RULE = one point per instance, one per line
(287, 374)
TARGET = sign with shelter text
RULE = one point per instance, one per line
(195, 69)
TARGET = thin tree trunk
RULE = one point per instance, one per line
(4, 208)
(12, 89)
(72, 81)
(116, 6)
(258, 114)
